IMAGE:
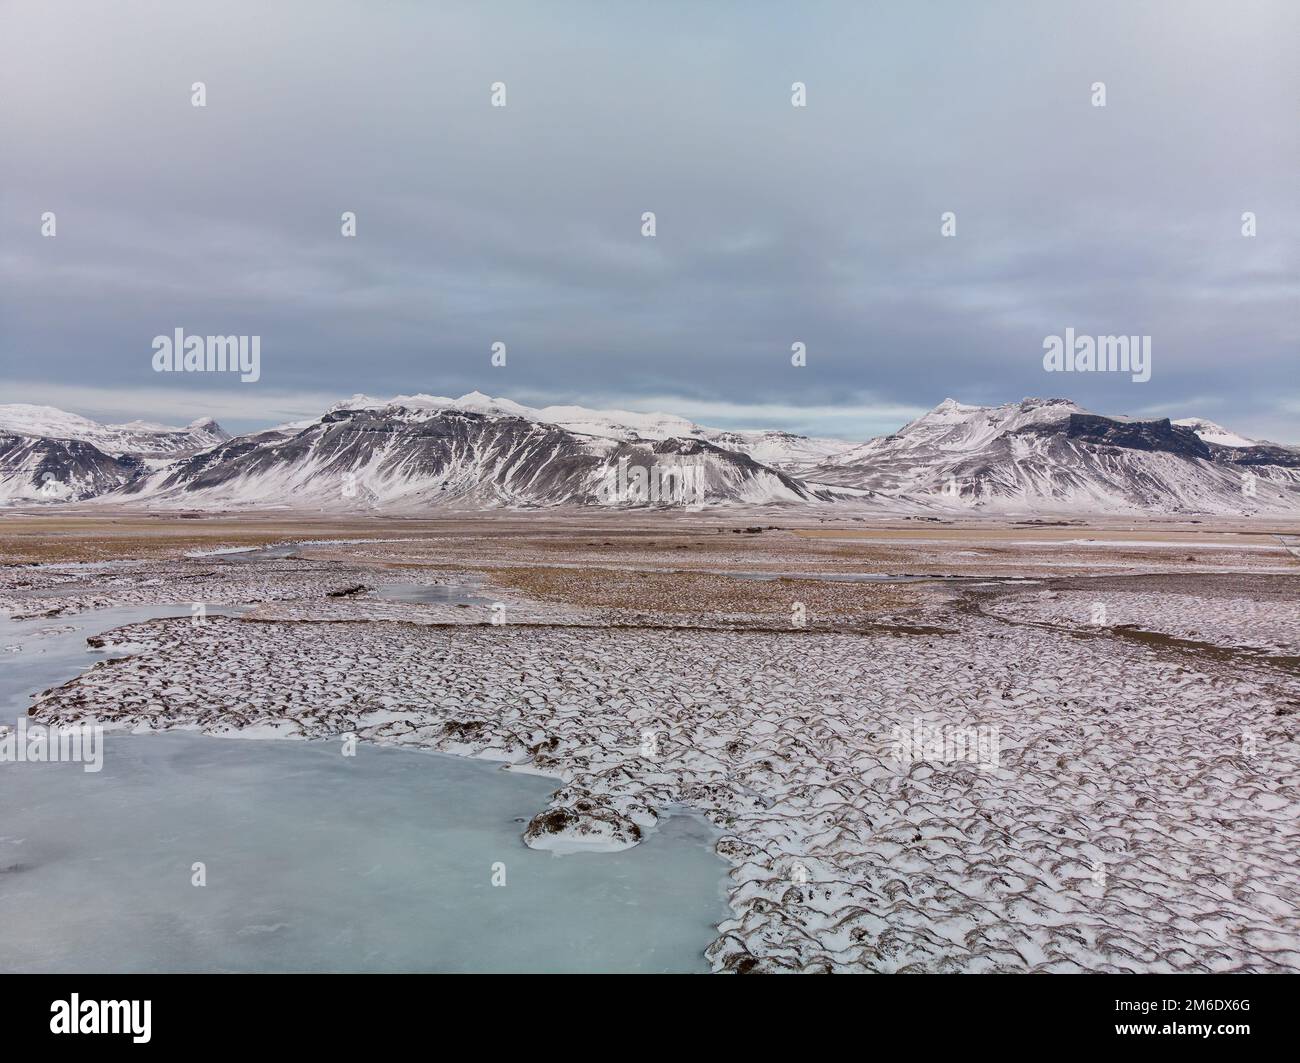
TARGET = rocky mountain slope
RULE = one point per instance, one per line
(416, 452)
(1052, 455)
(50, 455)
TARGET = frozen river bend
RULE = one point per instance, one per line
(1137, 810)
(390, 860)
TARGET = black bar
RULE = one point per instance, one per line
(918, 1012)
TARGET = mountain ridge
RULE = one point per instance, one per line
(414, 452)
(142, 439)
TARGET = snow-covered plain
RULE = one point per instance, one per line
(1142, 814)
(1268, 627)
(66, 589)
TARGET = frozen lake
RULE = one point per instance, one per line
(314, 861)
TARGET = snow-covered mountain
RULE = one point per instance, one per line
(1053, 455)
(47, 454)
(136, 439)
(1214, 433)
(780, 450)
(419, 452)
(34, 469)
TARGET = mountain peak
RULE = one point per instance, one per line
(1214, 433)
(477, 402)
(30, 419)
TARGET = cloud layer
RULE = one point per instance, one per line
(775, 224)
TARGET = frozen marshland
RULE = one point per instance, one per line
(313, 861)
(1091, 766)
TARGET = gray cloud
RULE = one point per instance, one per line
(775, 224)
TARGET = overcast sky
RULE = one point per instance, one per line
(775, 224)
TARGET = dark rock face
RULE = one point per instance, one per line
(1163, 435)
(1261, 454)
(60, 469)
(1133, 435)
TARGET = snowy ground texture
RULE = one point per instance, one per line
(66, 589)
(1144, 813)
(1270, 627)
